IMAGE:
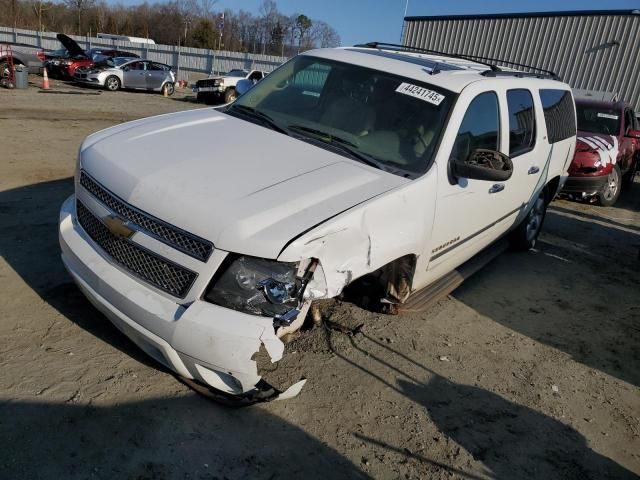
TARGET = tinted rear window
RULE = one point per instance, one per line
(559, 114)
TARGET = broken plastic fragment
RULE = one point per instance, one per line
(292, 391)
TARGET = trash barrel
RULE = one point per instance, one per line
(22, 77)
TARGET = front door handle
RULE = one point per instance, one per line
(497, 187)
(533, 170)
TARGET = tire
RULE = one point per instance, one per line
(230, 95)
(525, 235)
(169, 88)
(112, 83)
(612, 188)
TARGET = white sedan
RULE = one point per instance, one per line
(122, 72)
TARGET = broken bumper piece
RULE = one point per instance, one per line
(202, 343)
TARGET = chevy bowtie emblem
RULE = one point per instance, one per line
(118, 226)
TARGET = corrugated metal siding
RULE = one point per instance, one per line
(187, 60)
(579, 48)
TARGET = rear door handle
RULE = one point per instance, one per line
(533, 170)
(497, 187)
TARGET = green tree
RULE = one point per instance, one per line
(203, 35)
(303, 24)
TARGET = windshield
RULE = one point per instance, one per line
(595, 119)
(236, 73)
(382, 119)
(120, 60)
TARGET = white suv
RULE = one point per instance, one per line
(205, 235)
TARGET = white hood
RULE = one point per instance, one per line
(246, 188)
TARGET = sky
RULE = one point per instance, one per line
(359, 21)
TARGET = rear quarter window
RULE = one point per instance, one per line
(559, 114)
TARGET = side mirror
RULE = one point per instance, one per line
(484, 165)
(633, 133)
(126, 69)
(243, 86)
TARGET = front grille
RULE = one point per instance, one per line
(188, 243)
(148, 266)
(207, 83)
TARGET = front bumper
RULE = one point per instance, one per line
(589, 185)
(88, 80)
(209, 90)
(200, 341)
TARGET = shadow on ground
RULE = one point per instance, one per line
(181, 438)
(29, 243)
(589, 307)
(511, 441)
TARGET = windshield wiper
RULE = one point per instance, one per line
(258, 115)
(341, 143)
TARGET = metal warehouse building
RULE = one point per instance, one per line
(590, 50)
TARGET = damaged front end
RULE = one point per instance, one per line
(277, 295)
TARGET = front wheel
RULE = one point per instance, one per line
(230, 95)
(112, 83)
(525, 235)
(611, 192)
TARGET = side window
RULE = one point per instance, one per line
(522, 121)
(559, 114)
(480, 127)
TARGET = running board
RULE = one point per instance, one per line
(423, 299)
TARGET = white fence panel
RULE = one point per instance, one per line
(185, 60)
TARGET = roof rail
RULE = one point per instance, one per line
(495, 70)
(537, 71)
(395, 46)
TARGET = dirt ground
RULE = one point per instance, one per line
(529, 370)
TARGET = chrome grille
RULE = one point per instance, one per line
(188, 243)
(148, 266)
(208, 82)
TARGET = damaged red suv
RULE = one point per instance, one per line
(607, 151)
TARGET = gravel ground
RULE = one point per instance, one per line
(528, 370)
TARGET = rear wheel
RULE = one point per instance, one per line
(169, 88)
(611, 192)
(112, 83)
(525, 235)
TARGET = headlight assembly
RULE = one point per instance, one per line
(257, 286)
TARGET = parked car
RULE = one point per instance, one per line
(31, 57)
(224, 87)
(64, 62)
(607, 151)
(208, 239)
(114, 74)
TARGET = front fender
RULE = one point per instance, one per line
(368, 236)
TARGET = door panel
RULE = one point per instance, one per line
(135, 76)
(470, 214)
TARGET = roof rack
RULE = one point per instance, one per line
(495, 70)
(395, 46)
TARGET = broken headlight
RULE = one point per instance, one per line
(256, 286)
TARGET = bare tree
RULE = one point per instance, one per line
(79, 7)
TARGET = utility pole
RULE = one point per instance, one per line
(406, 8)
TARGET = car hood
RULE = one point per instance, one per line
(604, 149)
(70, 44)
(246, 188)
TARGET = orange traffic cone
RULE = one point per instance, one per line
(45, 80)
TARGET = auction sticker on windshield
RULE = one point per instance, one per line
(421, 93)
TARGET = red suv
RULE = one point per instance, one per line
(607, 151)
